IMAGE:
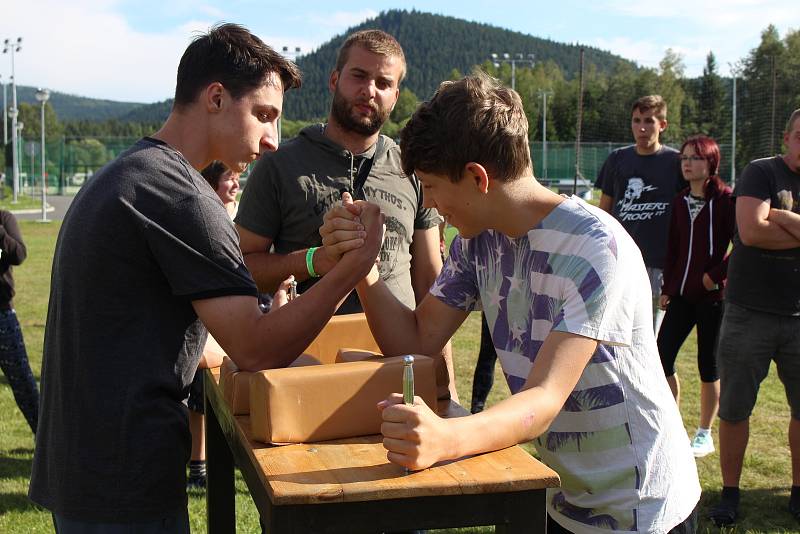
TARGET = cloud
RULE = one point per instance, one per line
(86, 48)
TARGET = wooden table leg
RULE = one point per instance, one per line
(220, 491)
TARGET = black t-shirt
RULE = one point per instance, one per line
(642, 189)
(761, 279)
(144, 238)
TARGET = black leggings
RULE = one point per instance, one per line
(681, 316)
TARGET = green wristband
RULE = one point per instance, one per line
(310, 262)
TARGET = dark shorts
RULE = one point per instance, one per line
(172, 523)
(749, 341)
(195, 400)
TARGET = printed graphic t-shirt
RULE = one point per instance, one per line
(761, 279)
(642, 188)
(618, 443)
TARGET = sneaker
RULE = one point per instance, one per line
(702, 445)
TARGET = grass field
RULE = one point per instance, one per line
(766, 480)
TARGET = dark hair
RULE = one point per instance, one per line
(473, 119)
(708, 149)
(213, 172)
(231, 55)
(375, 41)
(654, 102)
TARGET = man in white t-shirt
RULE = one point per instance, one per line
(565, 293)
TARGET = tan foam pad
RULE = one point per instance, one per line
(342, 331)
(324, 402)
(356, 355)
(235, 384)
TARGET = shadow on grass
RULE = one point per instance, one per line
(760, 510)
(16, 467)
(15, 502)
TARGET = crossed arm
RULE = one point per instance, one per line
(763, 227)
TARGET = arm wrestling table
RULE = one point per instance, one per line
(348, 485)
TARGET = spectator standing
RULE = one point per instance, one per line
(638, 184)
(13, 356)
(695, 270)
(762, 312)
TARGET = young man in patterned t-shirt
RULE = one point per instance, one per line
(567, 301)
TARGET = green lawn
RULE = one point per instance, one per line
(766, 480)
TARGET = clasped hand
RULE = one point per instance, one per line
(347, 227)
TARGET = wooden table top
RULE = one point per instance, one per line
(356, 469)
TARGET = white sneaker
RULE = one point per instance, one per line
(702, 445)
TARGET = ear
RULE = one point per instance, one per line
(478, 175)
(213, 97)
(333, 79)
(663, 125)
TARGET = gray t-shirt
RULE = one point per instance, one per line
(761, 279)
(290, 190)
(642, 188)
(144, 238)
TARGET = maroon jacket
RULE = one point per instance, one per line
(694, 249)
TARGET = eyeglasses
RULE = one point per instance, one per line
(692, 158)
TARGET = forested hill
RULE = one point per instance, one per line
(72, 107)
(434, 46)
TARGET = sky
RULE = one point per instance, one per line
(128, 50)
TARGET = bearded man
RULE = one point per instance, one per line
(289, 191)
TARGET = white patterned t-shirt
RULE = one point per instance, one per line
(618, 443)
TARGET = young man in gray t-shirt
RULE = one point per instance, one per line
(638, 184)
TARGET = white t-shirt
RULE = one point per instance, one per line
(618, 443)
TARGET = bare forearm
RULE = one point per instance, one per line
(788, 221)
(278, 338)
(269, 269)
(391, 322)
(517, 419)
(769, 235)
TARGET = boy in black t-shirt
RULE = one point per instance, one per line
(639, 183)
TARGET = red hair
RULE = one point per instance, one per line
(708, 149)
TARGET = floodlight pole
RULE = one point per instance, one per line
(42, 95)
(513, 59)
(12, 47)
(736, 70)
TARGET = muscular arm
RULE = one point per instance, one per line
(255, 341)
(788, 220)
(269, 269)
(756, 229)
(426, 263)
(399, 330)
(606, 203)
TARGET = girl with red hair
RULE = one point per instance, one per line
(695, 272)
